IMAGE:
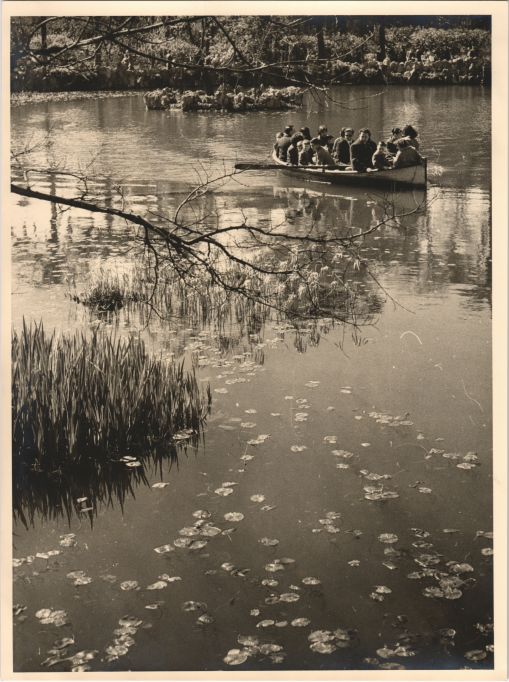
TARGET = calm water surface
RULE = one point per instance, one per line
(426, 360)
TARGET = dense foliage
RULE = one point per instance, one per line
(127, 52)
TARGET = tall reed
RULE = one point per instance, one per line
(78, 398)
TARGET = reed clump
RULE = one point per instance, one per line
(109, 291)
(78, 399)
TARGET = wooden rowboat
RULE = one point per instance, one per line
(392, 178)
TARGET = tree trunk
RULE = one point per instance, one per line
(381, 41)
(320, 43)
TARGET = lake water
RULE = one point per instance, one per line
(426, 360)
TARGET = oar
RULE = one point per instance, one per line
(257, 166)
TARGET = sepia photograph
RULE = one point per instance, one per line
(254, 339)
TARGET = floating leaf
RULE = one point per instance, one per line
(198, 544)
(194, 606)
(320, 636)
(312, 384)
(365, 445)
(257, 498)
(300, 622)
(330, 439)
(163, 549)
(273, 567)
(289, 597)
(268, 542)
(388, 538)
(182, 543)
(354, 563)
(158, 585)
(323, 647)
(247, 640)
(311, 581)
(189, 531)
(205, 619)
(268, 582)
(202, 514)
(128, 585)
(254, 612)
(67, 540)
(221, 390)
(52, 617)
(298, 448)
(233, 516)
(433, 592)
(210, 531)
(460, 567)
(475, 655)
(267, 649)
(265, 623)
(487, 551)
(268, 507)
(223, 492)
(160, 485)
(235, 657)
(382, 589)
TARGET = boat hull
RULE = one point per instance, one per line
(392, 178)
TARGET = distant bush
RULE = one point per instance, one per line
(442, 43)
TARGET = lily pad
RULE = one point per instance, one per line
(158, 585)
(233, 516)
(235, 657)
(163, 549)
(223, 492)
(129, 585)
(269, 542)
(300, 622)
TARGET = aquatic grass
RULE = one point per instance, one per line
(80, 404)
(108, 291)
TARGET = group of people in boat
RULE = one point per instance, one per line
(348, 152)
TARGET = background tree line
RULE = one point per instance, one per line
(142, 51)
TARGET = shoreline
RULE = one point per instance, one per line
(35, 97)
(30, 97)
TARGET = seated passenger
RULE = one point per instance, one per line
(283, 142)
(341, 148)
(411, 135)
(322, 155)
(407, 155)
(306, 133)
(326, 140)
(306, 155)
(371, 143)
(361, 152)
(392, 147)
(380, 158)
(293, 150)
